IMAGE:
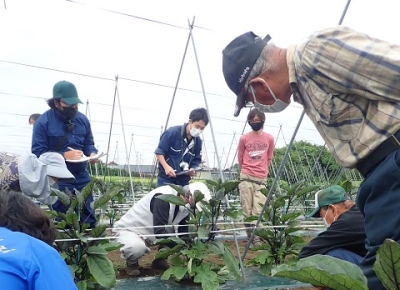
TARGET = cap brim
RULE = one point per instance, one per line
(314, 213)
(60, 173)
(240, 103)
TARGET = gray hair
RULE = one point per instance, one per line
(263, 64)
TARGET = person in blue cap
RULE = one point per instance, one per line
(65, 130)
(345, 232)
(348, 84)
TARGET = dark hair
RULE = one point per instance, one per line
(34, 117)
(18, 213)
(50, 102)
(255, 112)
(199, 114)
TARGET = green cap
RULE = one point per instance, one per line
(67, 92)
(331, 195)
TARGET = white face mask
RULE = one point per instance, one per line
(195, 132)
(325, 222)
(277, 106)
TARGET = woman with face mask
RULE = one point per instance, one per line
(255, 152)
(345, 232)
(179, 150)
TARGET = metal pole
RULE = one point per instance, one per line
(212, 134)
(111, 125)
(173, 96)
(283, 160)
(126, 147)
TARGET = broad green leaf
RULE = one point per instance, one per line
(176, 240)
(102, 270)
(81, 285)
(177, 271)
(198, 196)
(111, 246)
(170, 198)
(73, 219)
(207, 278)
(231, 263)
(203, 232)
(233, 213)
(79, 198)
(96, 250)
(178, 188)
(220, 194)
(387, 264)
(326, 271)
(64, 198)
(81, 236)
(73, 269)
(231, 185)
(166, 252)
(98, 230)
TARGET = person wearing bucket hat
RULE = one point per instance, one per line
(348, 84)
(345, 232)
(65, 130)
(151, 218)
(34, 177)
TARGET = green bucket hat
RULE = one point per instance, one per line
(66, 91)
(330, 195)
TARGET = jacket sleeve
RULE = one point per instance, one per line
(197, 154)
(39, 139)
(164, 144)
(338, 235)
(88, 145)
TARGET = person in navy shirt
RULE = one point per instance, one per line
(179, 150)
(65, 130)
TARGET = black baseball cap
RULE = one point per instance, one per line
(238, 59)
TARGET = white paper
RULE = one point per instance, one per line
(86, 158)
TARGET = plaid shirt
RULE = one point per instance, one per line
(349, 86)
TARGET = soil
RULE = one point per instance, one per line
(145, 262)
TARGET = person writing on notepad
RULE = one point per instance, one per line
(179, 150)
(64, 129)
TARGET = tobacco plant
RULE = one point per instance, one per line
(83, 249)
(188, 258)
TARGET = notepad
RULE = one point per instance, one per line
(86, 158)
(186, 172)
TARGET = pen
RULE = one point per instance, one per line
(71, 148)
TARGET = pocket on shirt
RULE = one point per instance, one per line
(174, 152)
(339, 118)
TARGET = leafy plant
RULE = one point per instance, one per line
(82, 248)
(188, 258)
(326, 271)
(282, 241)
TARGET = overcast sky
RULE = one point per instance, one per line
(143, 42)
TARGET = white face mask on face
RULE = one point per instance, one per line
(195, 132)
(277, 106)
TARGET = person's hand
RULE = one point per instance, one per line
(191, 172)
(93, 161)
(73, 154)
(170, 171)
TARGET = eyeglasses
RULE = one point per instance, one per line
(65, 105)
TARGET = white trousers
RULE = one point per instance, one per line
(134, 246)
